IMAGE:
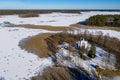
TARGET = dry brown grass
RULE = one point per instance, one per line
(62, 28)
(37, 45)
(63, 73)
(95, 27)
(51, 28)
(108, 72)
(54, 40)
(54, 73)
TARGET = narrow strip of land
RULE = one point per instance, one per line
(62, 28)
(95, 27)
(50, 28)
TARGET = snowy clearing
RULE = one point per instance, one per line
(53, 19)
(15, 63)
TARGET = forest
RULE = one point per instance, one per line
(12, 12)
(104, 20)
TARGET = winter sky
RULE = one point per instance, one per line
(59, 4)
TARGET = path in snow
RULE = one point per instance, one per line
(15, 63)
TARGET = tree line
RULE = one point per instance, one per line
(11, 12)
(104, 20)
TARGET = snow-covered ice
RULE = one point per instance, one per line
(60, 19)
(15, 63)
(53, 19)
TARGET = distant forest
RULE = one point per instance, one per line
(104, 20)
(11, 12)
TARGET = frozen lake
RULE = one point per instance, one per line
(53, 19)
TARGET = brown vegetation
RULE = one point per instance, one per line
(94, 27)
(54, 73)
(29, 15)
(54, 40)
(46, 44)
(62, 28)
(37, 45)
(51, 28)
(63, 73)
(107, 72)
(110, 44)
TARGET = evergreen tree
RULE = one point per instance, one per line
(92, 51)
(104, 20)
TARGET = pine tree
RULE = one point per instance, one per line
(92, 51)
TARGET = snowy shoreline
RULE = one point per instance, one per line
(15, 63)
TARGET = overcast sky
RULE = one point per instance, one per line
(59, 4)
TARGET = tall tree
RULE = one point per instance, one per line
(92, 50)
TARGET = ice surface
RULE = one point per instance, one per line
(15, 63)
(53, 19)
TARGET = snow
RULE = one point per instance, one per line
(111, 33)
(15, 63)
(116, 78)
(53, 19)
(100, 60)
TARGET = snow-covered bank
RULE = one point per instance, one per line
(15, 63)
(111, 33)
(53, 19)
